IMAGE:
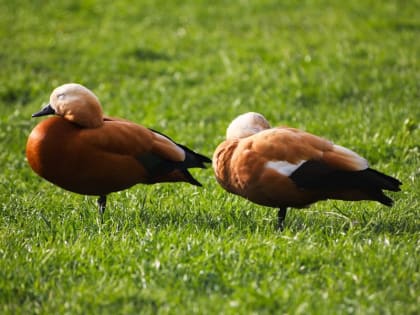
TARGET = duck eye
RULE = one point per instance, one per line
(60, 96)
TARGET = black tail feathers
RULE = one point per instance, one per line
(190, 179)
(384, 181)
(194, 159)
(378, 195)
(374, 182)
(319, 176)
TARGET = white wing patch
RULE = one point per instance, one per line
(361, 163)
(283, 167)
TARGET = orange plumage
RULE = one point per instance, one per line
(285, 167)
(82, 151)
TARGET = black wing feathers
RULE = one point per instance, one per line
(157, 166)
(192, 159)
(318, 175)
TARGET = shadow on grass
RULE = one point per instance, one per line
(241, 220)
(407, 26)
(333, 222)
(138, 303)
(191, 220)
(247, 222)
(15, 95)
(145, 54)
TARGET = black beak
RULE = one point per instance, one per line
(47, 110)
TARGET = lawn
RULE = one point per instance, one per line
(348, 71)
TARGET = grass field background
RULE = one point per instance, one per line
(345, 70)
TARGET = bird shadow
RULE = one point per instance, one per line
(337, 220)
(332, 222)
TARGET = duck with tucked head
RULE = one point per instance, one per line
(83, 151)
(285, 167)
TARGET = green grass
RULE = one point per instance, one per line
(346, 71)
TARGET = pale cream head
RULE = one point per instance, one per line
(246, 125)
(77, 104)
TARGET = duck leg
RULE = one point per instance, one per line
(281, 215)
(101, 207)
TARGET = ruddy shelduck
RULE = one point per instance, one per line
(85, 152)
(285, 167)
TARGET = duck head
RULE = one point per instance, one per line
(246, 125)
(75, 103)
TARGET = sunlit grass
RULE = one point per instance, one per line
(345, 71)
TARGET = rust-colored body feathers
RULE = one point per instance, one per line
(84, 152)
(286, 167)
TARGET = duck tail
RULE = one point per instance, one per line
(376, 181)
(194, 159)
